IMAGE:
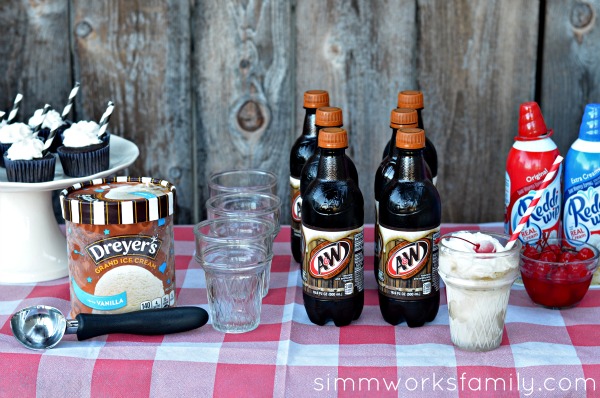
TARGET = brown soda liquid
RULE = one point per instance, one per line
(408, 99)
(309, 172)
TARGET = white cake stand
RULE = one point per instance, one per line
(32, 246)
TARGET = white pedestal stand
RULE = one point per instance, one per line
(32, 246)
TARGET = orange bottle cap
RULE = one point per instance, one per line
(403, 117)
(410, 138)
(410, 99)
(333, 138)
(329, 116)
(316, 98)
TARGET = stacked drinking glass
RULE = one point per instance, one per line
(234, 246)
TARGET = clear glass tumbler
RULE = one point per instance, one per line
(262, 206)
(234, 181)
(477, 290)
(234, 264)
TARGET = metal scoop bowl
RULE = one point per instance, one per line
(41, 327)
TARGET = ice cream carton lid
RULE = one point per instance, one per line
(590, 123)
(118, 200)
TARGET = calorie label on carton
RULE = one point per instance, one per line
(408, 266)
(296, 206)
(333, 263)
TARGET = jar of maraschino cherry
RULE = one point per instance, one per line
(555, 274)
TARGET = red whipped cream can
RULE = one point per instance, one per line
(529, 160)
(120, 244)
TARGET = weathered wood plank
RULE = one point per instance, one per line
(137, 54)
(34, 54)
(363, 53)
(242, 88)
(570, 73)
(477, 63)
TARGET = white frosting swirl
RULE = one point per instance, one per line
(81, 134)
(26, 149)
(52, 120)
(14, 132)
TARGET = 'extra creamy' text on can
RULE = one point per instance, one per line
(120, 244)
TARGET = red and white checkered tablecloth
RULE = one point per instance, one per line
(543, 352)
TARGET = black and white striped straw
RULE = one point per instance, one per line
(38, 126)
(104, 119)
(69, 105)
(48, 142)
(13, 112)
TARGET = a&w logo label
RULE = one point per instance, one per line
(330, 258)
(408, 258)
(297, 207)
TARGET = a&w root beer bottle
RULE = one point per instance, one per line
(409, 224)
(302, 150)
(332, 233)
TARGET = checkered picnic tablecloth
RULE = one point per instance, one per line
(543, 352)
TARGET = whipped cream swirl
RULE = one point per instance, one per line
(26, 149)
(14, 132)
(81, 134)
(52, 120)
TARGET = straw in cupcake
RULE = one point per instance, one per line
(38, 127)
(48, 142)
(69, 105)
(104, 120)
(13, 112)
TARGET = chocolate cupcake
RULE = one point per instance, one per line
(83, 153)
(10, 134)
(52, 120)
(25, 162)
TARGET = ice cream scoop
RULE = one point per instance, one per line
(41, 327)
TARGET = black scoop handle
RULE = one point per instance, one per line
(147, 322)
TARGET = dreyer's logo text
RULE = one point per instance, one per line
(133, 245)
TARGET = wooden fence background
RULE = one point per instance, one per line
(206, 85)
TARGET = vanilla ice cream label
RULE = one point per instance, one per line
(408, 263)
(333, 263)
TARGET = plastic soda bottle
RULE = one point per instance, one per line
(410, 215)
(399, 118)
(325, 117)
(302, 150)
(413, 99)
(332, 232)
